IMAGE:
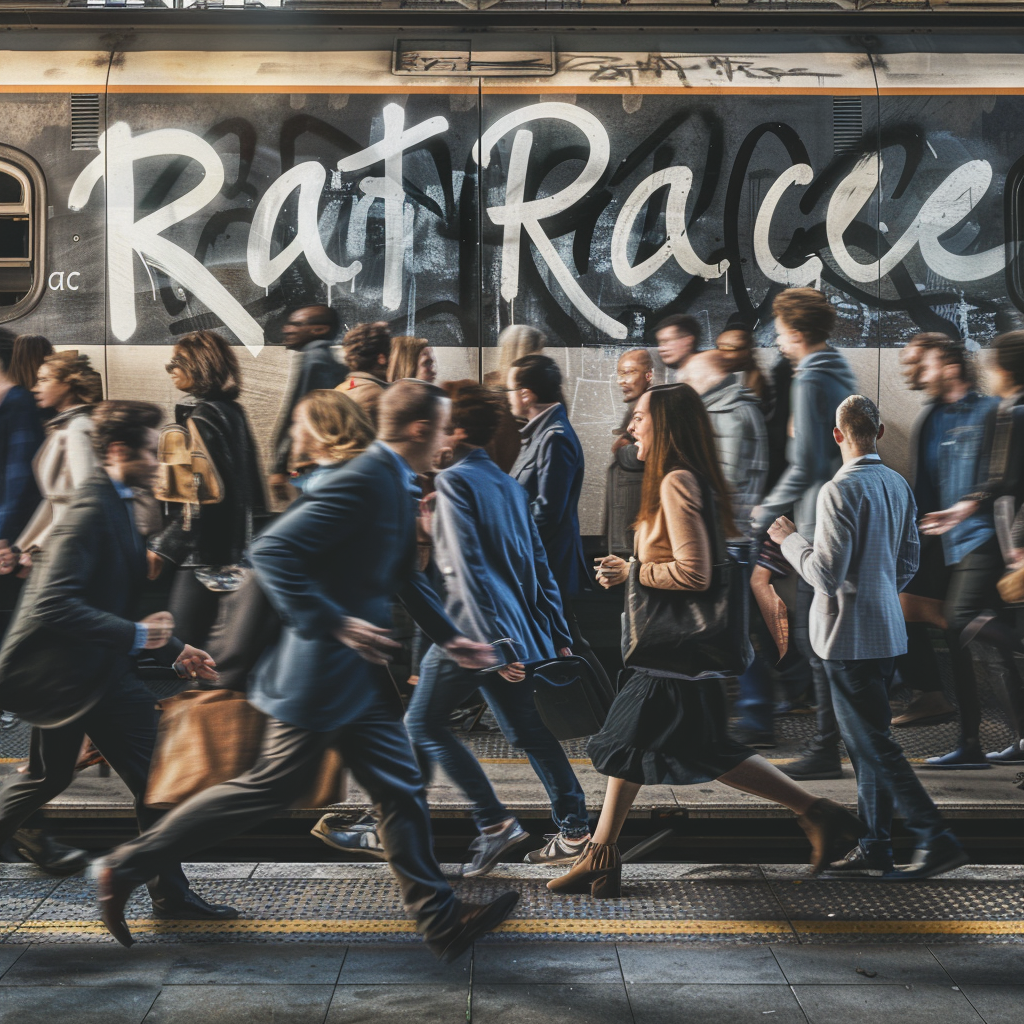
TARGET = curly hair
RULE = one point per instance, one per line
(84, 383)
(123, 422)
(365, 344)
(807, 311)
(341, 427)
(474, 409)
(211, 363)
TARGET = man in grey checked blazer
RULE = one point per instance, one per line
(865, 551)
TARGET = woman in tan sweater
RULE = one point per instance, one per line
(667, 727)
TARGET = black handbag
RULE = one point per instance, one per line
(570, 699)
(686, 631)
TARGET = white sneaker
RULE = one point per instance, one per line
(488, 848)
(559, 850)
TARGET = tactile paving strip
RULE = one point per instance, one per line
(362, 904)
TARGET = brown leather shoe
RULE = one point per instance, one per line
(474, 920)
(927, 708)
(597, 870)
(831, 828)
(114, 893)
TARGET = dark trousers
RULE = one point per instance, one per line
(826, 736)
(377, 752)
(885, 780)
(443, 685)
(970, 590)
(123, 727)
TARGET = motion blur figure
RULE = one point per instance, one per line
(634, 375)
(367, 349)
(411, 358)
(331, 566)
(678, 337)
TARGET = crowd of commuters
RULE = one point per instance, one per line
(460, 503)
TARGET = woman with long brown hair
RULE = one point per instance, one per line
(200, 540)
(670, 728)
(411, 358)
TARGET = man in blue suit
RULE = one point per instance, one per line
(499, 590)
(331, 566)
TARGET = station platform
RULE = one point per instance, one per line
(328, 943)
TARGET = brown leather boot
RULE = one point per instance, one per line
(597, 870)
(830, 827)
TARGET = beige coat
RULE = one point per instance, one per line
(365, 390)
(673, 549)
(63, 463)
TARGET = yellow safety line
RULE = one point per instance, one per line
(557, 926)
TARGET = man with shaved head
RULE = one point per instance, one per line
(634, 375)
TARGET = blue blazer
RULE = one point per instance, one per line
(496, 574)
(550, 467)
(345, 547)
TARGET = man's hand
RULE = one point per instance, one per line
(8, 559)
(193, 663)
(620, 442)
(160, 626)
(565, 652)
(469, 654)
(781, 529)
(368, 641)
(514, 673)
(1016, 558)
(154, 565)
(24, 564)
(936, 523)
(281, 487)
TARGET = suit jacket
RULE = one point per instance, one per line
(345, 547)
(865, 552)
(488, 550)
(550, 467)
(318, 370)
(74, 627)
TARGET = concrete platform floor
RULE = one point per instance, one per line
(919, 957)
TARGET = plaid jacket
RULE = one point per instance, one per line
(865, 552)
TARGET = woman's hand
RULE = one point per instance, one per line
(193, 663)
(611, 570)
(936, 523)
(781, 529)
(154, 565)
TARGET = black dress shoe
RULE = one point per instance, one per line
(48, 855)
(942, 856)
(192, 907)
(829, 827)
(473, 921)
(815, 764)
(759, 739)
(857, 864)
(114, 893)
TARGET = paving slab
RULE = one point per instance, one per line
(541, 1004)
(81, 965)
(982, 965)
(714, 1004)
(399, 1004)
(241, 1004)
(646, 964)
(384, 964)
(860, 965)
(546, 963)
(224, 964)
(997, 1004)
(112, 1004)
(885, 1004)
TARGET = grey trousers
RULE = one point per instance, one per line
(377, 752)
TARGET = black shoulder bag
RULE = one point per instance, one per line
(690, 631)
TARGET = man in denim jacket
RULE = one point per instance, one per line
(961, 567)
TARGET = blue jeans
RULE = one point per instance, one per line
(442, 686)
(755, 703)
(884, 777)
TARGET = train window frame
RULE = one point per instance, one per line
(23, 168)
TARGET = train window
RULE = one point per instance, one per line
(21, 262)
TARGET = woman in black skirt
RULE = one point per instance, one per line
(665, 727)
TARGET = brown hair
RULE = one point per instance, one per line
(27, 356)
(123, 422)
(683, 439)
(340, 425)
(84, 383)
(474, 409)
(541, 375)
(211, 363)
(950, 351)
(365, 344)
(806, 310)
(683, 323)
(1009, 353)
(406, 402)
(516, 341)
(405, 356)
(858, 418)
(749, 365)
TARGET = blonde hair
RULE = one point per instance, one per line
(339, 425)
(69, 368)
(405, 356)
(516, 341)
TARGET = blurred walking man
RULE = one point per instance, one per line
(865, 551)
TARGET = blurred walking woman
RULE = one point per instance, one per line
(666, 727)
(205, 368)
(67, 386)
(411, 357)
